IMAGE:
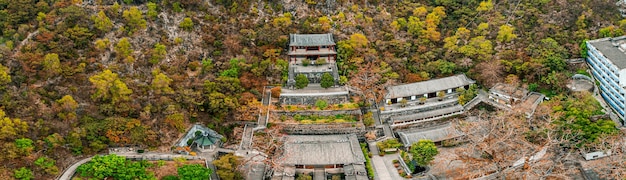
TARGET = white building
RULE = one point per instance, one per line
(607, 60)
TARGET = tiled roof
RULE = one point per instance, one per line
(434, 134)
(322, 150)
(430, 86)
(311, 39)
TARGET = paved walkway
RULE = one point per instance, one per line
(69, 172)
(318, 174)
(380, 170)
(246, 139)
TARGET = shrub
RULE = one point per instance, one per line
(186, 24)
(275, 91)
(320, 61)
(23, 174)
(327, 80)
(368, 161)
(322, 104)
(306, 62)
(194, 171)
(301, 81)
(368, 119)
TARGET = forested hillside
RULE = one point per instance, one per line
(77, 77)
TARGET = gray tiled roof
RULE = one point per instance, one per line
(436, 134)
(322, 150)
(610, 51)
(311, 39)
(430, 86)
(355, 172)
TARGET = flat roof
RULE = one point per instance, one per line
(311, 39)
(509, 90)
(430, 86)
(609, 47)
(322, 150)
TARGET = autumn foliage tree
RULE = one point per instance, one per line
(109, 87)
(134, 19)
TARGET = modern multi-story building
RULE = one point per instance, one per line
(311, 55)
(607, 60)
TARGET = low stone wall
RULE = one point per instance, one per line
(314, 112)
(386, 115)
(324, 129)
(310, 100)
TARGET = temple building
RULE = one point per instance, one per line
(322, 155)
(311, 55)
(424, 101)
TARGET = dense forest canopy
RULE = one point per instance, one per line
(77, 76)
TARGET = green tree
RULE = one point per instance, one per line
(177, 121)
(51, 64)
(415, 26)
(485, 6)
(123, 48)
(322, 104)
(222, 94)
(25, 145)
(10, 128)
(79, 35)
(48, 165)
(102, 44)
(115, 8)
(115, 167)
(68, 103)
(186, 24)
(158, 53)
(152, 10)
(194, 172)
(368, 119)
(109, 87)
(161, 84)
(227, 167)
(207, 65)
(5, 78)
(134, 19)
(424, 152)
(102, 22)
(176, 7)
(343, 80)
(301, 81)
(23, 173)
(327, 80)
(505, 34)
(549, 53)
